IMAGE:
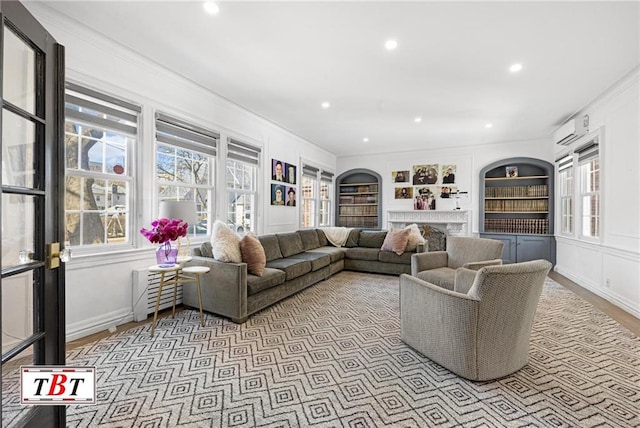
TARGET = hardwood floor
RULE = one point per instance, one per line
(623, 318)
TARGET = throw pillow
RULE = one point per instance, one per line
(225, 244)
(396, 241)
(253, 254)
(415, 237)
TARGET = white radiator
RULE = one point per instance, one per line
(145, 293)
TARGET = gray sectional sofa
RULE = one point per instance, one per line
(295, 261)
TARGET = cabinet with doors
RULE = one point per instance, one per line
(516, 207)
(359, 202)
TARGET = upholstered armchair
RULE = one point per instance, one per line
(439, 267)
(481, 331)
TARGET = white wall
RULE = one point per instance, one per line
(99, 286)
(610, 267)
(469, 160)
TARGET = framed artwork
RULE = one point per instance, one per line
(400, 176)
(291, 197)
(512, 171)
(404, 192)
(277, 194)
(277, 170)
(448, 174)
(425, 174)
(425, 198)
(448, 191)
(290, 173)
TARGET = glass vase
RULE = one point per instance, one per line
(167, 254)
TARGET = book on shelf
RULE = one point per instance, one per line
(534, 191)
(538, 226)
(518, 205)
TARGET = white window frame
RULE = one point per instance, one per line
(566, 194)
(587, 154)
(248, 156)
(116, 116)
(318, 176)
(181, 135)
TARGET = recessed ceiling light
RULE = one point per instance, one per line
(515, 67)
(488, 125)
(211, 8)
(325, 105)
(390, 44)
(417, 119)
(365, 139)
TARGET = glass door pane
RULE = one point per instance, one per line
(18, 146)
(19, 80)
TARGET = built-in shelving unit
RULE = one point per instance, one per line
(516, 207)
(359, 202)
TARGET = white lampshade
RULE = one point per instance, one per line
(183, 210)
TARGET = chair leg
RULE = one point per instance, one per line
(155, 314)
(199, 299)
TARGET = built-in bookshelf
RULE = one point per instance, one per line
(358, 196)
(517, 208)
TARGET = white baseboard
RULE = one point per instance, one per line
(98, 324)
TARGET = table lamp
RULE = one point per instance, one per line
(183, 210)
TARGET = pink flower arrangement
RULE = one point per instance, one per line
(165, 230)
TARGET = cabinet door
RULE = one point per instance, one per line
(509, 250)
(533, 247)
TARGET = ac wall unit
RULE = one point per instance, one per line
(569, 132)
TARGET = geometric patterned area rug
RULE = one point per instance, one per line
(331, 356)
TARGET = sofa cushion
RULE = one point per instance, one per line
(352, 239)
(334, 253)
(309, 239)
(415, 237)
(371, 239)
(322, 238)
(290, 244)
(270, 278)
(391, 257)
(396, 241)
(318, 260)
(442, 277)
(253, 254)
(205, 250)
(271, 247)
(225, 244)
(360, 253)
(293, 268)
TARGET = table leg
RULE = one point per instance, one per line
(199, 299)
(155, 314)
(175, 291)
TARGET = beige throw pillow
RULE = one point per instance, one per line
(253, 254)
(225, 244)
(396, 241)
(415, 237)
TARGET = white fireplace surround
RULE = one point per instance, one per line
(454, 223)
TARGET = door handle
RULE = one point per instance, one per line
(54, 255)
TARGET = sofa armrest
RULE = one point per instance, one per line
(480, 265)
(464, 280)
(224, 288)
(429, 260)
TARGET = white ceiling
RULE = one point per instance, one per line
(282, 59)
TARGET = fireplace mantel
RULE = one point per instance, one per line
(456, 222)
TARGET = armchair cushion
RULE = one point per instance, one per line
(442, 277)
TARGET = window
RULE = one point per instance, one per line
(566, 189)
(185, 163)
(100, 135)
(589, 169)
(243, 161)
(309, 195)
(326, 190)
(317, 191)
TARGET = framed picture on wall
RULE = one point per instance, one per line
(448, 174)
(400, 176)
(403, 192)
(291, 197)
(290, 173)
(277, 194)
(277, 170)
